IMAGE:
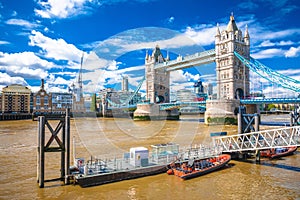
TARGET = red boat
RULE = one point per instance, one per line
(194, 168)
(278, 152)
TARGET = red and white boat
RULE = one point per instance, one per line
(198, 167)
(278, 152)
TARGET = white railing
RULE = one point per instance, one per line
(275, 138)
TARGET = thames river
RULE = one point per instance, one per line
(109, 138)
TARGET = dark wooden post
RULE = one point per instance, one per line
(41, 151)
(67, 145)
(63, 147)
(63, 153)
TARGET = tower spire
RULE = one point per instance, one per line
(42, 84)
(218, 33)
(147, 55)
(231, 27)
(80, 78)
(246, 32)
(168, 57)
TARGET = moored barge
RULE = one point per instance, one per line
(135, 164)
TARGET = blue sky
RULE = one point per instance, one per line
(47, 38)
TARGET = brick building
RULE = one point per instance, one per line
(42, 102)
(15, 99)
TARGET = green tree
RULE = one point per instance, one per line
(270, 106)
(93, 103)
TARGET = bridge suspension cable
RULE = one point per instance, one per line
(269, 74)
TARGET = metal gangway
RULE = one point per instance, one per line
(267, 139)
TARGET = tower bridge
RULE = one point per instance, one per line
(233, 64)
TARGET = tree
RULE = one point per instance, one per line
(270, 106)
(93, 103)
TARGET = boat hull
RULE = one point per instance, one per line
(104, 178)
(188, 173)
(269, 154)
(201, 173)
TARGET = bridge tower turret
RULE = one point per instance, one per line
(157, 80)
(232, 75)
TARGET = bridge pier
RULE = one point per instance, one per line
(150, 111)
(222, 111)
(257, 156)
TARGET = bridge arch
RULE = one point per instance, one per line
(239, 93)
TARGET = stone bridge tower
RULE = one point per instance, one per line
(158, 90)
(157, 80)
(232, 75)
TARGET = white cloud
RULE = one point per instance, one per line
(171, 20)
(65, 8)
(4, 42)
(57, 49)
(6, 79)
(268, 53)
(113, 65)
(25, 71)
(22, 22)
(93, 62)
(24, 59)
(292, 52)
(60, 81)
(268, 43)
(202, 35)
(14, 13)
(259, 33)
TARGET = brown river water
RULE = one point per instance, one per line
(109, 138)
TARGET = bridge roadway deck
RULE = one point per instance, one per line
(267, 139)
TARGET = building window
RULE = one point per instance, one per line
(38, 100)
(46, 100)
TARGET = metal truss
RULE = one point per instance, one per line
(276, 138)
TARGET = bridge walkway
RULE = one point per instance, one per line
(267, 139)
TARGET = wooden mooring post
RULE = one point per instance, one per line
(63, 146)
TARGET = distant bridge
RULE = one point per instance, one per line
(208, 56)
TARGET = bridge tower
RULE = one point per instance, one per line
(158, 90)
(232, 75)
(157, 80)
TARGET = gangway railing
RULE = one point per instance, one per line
(267, 139)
